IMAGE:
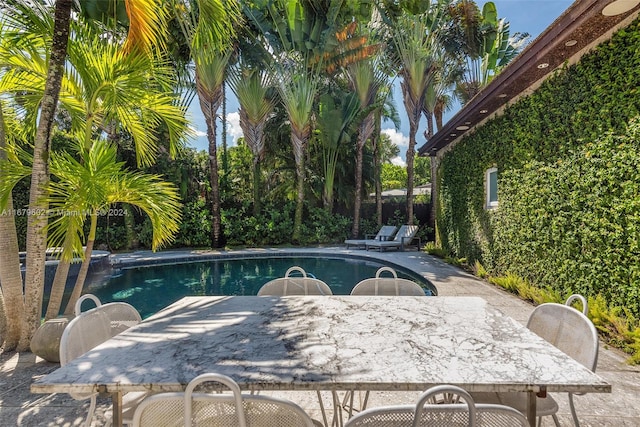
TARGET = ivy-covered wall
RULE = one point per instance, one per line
(568, 159)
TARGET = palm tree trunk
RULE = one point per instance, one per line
(11, 302)
(209, 104)
(298, 142)
(37, 222)
(84, 268)
(377, 168)
(413, 128)
(57, 288)
(357, 201)
(257, 207)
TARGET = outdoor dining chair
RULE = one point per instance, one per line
(220, 409)
(387, 285)
(571, 332)
(386, 232)
(441, 406)
(121, 315)
(90, 328)
(293, 285)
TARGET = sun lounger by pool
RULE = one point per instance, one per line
(385, 233)
(403, 237)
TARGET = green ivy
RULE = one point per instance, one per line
(569, 188)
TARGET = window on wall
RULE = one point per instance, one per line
(491, 188)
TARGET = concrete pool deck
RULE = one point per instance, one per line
(621, 408)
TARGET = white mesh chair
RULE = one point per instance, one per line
(489, 415)
(387, 285)
(81, 335)
(212, 410)
(424, 413)
(571, 332)
(386, 233)
(441, 406)
(289, 285)
(91, 328)
(121, 315)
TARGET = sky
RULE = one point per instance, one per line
(530, 16)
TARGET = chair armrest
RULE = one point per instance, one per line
(409, 240)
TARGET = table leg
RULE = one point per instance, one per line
(116, 399)
(531, 408)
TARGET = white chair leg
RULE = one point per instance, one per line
(92, 409)
(573, 411)
(556, 420)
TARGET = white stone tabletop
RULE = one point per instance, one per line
(326, 343)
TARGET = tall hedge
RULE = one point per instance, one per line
(568, 159)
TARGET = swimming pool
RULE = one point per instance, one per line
(153, 287)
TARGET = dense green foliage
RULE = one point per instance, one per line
(569, 189)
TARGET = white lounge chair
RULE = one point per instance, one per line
(230, 410)
(289, 285)
(386, 232)
(570, 331)
(403, 237)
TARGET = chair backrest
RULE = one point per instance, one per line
(425, 413)
(583, 301)
(569, 330)
(288, 285)
(82, 334)
(387, 285)
(197, 409)
(386, 232)
(121, 315)
(445, 414)
(489, 415)
(405, 233)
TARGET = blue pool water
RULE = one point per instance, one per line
(154, 287)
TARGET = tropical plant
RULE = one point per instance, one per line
(253, 88)
(486, 44)
(89, 187)
(22, 18)
(208, 25)
(415, 41)
(29, 29)
(365, 77)
(334, 120)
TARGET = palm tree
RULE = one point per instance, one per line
(91, 186)
(334, 121)
(33, 29)
(365, 79)
(486, 44)
(415, 40)
(298, 88)
(252, 88)
(23, 17)
(208, 25)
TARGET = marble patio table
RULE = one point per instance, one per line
(326, 343)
